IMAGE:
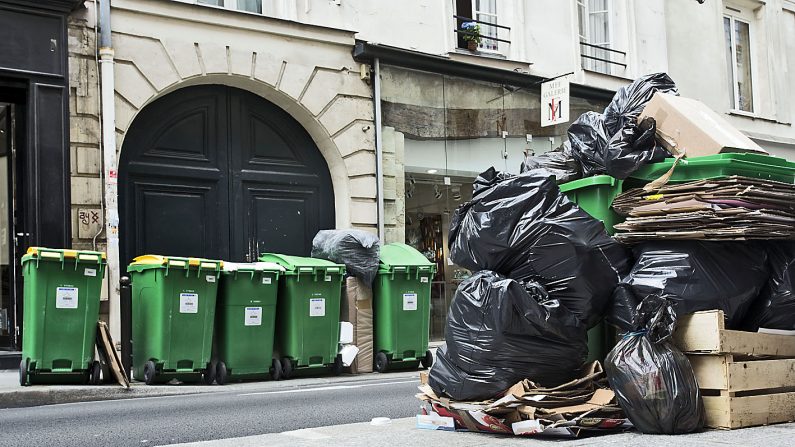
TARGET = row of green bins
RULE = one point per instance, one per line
(717, 166)
(402, 308)
(173, 306)
(308, 314)
(595, 196)
(245, 322)
(61, 309)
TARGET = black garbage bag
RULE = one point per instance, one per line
(696, 275)
(775, 306)
(500, 332)
(607, 143)
(523, 227)
(653, 381)
(357, 249)
(632, 147)
(559, 162)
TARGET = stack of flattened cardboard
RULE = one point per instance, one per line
(733, 208)
(357, 308)
(582, 406)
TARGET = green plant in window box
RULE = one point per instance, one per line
(471, 35)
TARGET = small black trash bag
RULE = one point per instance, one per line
(653, 381)
(499, 332)
(696, 275)
(612, 142)
(775, 306)
(524, 228)
(357, 249)
(559, 162)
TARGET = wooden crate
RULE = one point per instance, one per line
(746, 378)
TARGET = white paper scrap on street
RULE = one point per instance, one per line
(554, 102)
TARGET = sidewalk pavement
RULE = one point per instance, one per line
(403, 432)
(12, 395)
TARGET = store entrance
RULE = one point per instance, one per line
(431, 200)
(8, 308)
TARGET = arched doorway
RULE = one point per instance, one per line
(218, 172)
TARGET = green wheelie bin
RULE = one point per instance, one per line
(61, 310)
(308, 314)
(402, 308)
(246, 318)
(173, 307)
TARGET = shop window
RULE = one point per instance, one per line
(737, 35)
(240, 5)
(596, 37)
(483, 13)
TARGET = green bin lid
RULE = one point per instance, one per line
(60, 254)
(294, 264)
(402, 255)
(147, 262)
(264, 267)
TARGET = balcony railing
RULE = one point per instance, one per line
(601, 58)
(501, 33)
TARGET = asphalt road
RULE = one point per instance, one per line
(176, 419)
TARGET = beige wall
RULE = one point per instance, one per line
(164, 46)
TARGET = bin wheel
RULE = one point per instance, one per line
(94, 373)
(23, 373)
(427, 361)
(150, 372)
(221, 374)
(336, 368)
(276, 370)
(287, 368)
(381, 362)
(208, 375)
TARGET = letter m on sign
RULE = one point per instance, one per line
(555, 109)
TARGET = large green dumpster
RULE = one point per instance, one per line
(173, 305)
(402, 308)
(308, 313)
(60, 313)
(246, 319)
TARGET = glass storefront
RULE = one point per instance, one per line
(454, 128)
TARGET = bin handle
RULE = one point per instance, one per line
(303, 269)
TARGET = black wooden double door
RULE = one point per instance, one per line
(218, 172)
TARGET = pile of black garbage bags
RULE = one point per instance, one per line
(546, 272)
(612, 142)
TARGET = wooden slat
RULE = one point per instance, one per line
(704, 332)
(719, 372)
(114, 362)
(749, 411)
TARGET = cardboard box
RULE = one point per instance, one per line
(688, 126)
(357, 308)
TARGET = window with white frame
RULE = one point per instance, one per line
(240, 5)
(737, 36)
(486, 11)
(596, 36)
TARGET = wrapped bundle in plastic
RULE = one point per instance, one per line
(500, 332)
(560, 163)
(774, 309)
(357, 249)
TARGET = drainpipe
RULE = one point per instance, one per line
(110, 170)
(379, 149)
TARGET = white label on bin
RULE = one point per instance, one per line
(253, 316)
(66, 298)
(90, 272)
(409, 301)
(188, 303)
(424, 279)
(210, 278)
(266, 280)
(328, 278)
(317, 307)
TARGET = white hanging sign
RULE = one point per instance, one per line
(554, 102)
